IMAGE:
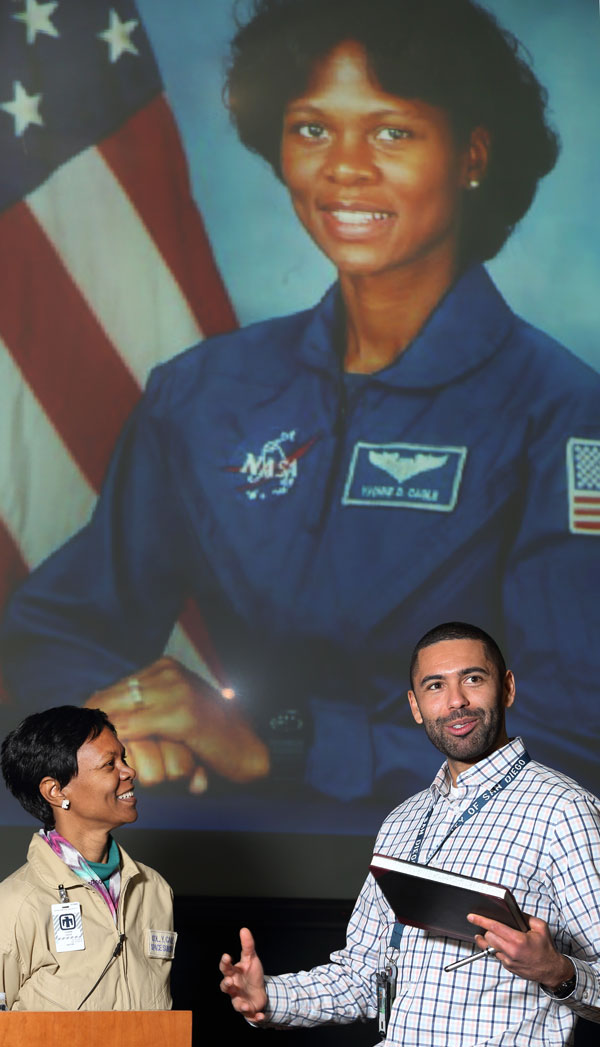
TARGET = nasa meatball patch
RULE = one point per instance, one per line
(408, 476)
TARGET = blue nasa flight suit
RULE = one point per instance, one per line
(324, 522)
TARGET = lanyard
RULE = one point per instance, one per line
(470, 812)
(472, 809)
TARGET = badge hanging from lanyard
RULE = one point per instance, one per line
(67, 923)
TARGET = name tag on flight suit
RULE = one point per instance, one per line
(161, 944)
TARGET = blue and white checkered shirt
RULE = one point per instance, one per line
(540, 837)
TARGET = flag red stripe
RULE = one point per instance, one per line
(72, 367)
(587, 512)
(587, 525)
(146, 157)
(13, 570)
(587, 501)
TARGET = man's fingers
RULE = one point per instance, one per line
(247, 943)
(501, 931)
(483, 921)
(538, 926)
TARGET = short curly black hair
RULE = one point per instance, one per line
(449, 53)
(46, 744)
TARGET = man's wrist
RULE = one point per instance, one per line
(563, 984)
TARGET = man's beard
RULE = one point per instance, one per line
(480, 742)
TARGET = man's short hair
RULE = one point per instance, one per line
(460, 631)
(44, 745)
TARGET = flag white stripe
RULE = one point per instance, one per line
(114, 262)
(182, 648)
(44, 496)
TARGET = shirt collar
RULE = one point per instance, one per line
(486, 772)
(466, 328)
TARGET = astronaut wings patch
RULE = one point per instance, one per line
(411, 476)
(583, 479)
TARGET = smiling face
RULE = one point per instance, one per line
(460, 701)
(376, 180)
(101, 793)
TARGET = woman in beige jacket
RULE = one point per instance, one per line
(83, 925)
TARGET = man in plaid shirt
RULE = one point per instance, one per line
(523, 825)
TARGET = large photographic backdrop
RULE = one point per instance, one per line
(113, 262)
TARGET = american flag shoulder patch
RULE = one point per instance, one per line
(583, 479)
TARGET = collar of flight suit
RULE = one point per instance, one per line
(52, 871)
(467, 327)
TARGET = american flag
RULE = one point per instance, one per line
(106, 269)
(583, 466)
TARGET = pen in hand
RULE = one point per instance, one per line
(469, 959)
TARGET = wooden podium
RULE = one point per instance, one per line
(95, 1028)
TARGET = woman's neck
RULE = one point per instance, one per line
(94, 850)
(93, 844)
(385, 312)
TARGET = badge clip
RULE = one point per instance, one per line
(386, 993)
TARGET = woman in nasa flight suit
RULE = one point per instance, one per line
(329, 483)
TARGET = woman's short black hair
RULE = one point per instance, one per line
(449, 53)
(45, 745)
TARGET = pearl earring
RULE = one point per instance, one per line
(474, 183)
(65, 805)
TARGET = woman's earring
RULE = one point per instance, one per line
(65, 805)
(474, 183)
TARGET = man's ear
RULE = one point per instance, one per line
(51, 791)
(509, 689)
(414, 708)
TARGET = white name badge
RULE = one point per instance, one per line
(68, 926)
(161, 944)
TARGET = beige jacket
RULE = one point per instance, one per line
(36, 977)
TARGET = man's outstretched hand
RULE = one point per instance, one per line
(244, 981)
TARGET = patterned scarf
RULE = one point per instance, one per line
(77, 864)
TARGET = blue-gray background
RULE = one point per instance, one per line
(550, 269)
(549, 272)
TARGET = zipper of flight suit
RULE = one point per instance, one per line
(118, 952)
(122, 937)
(339, 429)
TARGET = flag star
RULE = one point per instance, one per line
(117, 36)
(24, 109)
(37, 19)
